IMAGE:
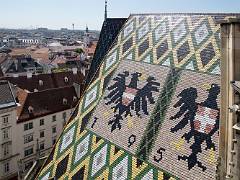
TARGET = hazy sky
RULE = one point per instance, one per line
(55, 14)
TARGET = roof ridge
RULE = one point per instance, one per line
(185, 13)
(56, 88)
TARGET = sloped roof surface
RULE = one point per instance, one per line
(6, 96)
(109, 32)
(153, 110)
(45, 102)
(1, 73)
(53, 80)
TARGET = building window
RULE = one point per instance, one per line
(6, 167)
(53, 141)
(64, 115)
(5, 119)
(28, 126)
(5, 134)
(5, 149)
(41, 134)
(53, 118)
(41, 146)
(54, 129)
(28, 138)
(28, 151)
(41, 122)
(28, 165)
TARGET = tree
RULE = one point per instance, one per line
(79, 51)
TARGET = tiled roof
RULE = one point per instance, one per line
(1, 73)
(45, 102)
(109, 32)
(92, 48)
(36, 53)
(6, 95)
(3, 57)
(53, 80)
(21, 64)
(152, 111)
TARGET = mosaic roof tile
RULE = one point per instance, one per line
(155, 111)
(110, 29)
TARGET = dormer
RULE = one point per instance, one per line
(30, 109)
(40, 83)
(29, 75)
(74, 98)
(65, 79)
(64, 101)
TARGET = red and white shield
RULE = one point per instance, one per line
(128, 96)
(205, 119)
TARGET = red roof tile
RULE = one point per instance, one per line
(45, 102)
(54, 80)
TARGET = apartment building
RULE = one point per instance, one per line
(8, 110)
(30, 124)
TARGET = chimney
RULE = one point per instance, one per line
(29, 75)
(16, 64)
(77, 88)
(74, 70)
(83, 71)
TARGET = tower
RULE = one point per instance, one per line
(73, 26)
(86, 38)
(87, 31)
(105, 15)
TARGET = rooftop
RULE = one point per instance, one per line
(20, 64)
(108, 34)
(152, 110)
(39, 104)
(47, 81)
(6, 95)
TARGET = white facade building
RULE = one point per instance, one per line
(29, 41)
(24, 140)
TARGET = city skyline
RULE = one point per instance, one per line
(56, 14)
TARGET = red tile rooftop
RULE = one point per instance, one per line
(45, 102)
(47, 81)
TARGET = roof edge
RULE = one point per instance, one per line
(184, 13)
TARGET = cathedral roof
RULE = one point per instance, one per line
(152, 111)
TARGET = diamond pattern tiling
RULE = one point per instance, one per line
(150, 109)
(61, 167)
(91, 96)
(120, 171)
(183, 51)
(207, 54)
(82, 149)
(143, 30)
(143, 47)
(148, 176)
(179, 32)
(201, 33)
(162, 49)
(67, 138)
(127, 45)
(99, 160)
(111, 60)
(160, 31)
(129, 28)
